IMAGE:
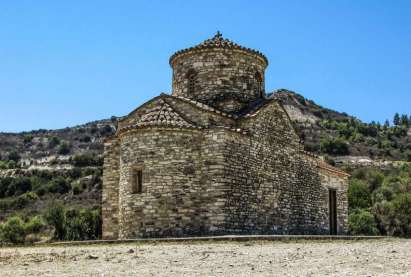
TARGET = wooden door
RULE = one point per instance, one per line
(333, 211)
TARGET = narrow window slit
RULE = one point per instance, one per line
(137, 181)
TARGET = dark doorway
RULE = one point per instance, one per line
(333, 211)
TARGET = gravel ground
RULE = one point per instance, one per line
(387, 257)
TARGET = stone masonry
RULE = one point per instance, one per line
(216, 157)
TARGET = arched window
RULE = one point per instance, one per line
(259, 84)
(191, 78)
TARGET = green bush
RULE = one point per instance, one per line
(56, 217)
(407, 155)
(58, 185)
(19, 185)
(77, 188)
(384, 193)
(14, 156)
(7, 204)
(75, 173)
(374, 178)
(18, 202)
(34, 225)
(13, 230)
(87, 160)
(64, 149)
(4, 186)
(362, 222)
(24, 199)
(402, 208)
(83, 224)
(27, 138)
(54, 141)
(4, 165)
(359, 196)
(74, 224)
(334, 146)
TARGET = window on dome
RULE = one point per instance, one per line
(259, 81)
(192, 78)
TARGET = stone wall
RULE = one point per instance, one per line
(223, 78)
(273, 189)
(339, 183)
(111, 176)
(182, 188)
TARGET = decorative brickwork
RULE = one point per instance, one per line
(217, 157)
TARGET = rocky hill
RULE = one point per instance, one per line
(344, 138)
(54, 149)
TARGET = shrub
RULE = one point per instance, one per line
(402, 208)
(334, 146)
(27, 138)
(6, 204)
(75, 173)
(24, 199)
(77, 188)
(13, 230)
(18, 186)
(34, 225)
(87, 160)
(83, 224)
(85, 139)
(58, 185)
(311, 147)
(4, 186)
(74, 224)
(56, 217)
(4, 165)
(375, 179)
(64, 149)
(14, 156)
(359, 196)
(362, 222)
(54, 141)
(407, 155)
(384, 193)
(39, 185)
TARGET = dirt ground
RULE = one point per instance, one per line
(387, 257)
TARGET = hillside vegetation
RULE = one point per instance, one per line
(50, 180)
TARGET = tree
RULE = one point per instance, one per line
(19, 185)
(362, 222)
(402, 207)
(58, 185)
(13, 230)
(54, 141)
(386, 124)
(14, 156)
(397, 119)
(359, 196)
(334, 146)
(56, 217)
(404, 120)
(64, 149)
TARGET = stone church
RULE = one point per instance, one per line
(216, 157)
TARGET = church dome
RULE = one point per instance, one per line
(220, 73)
(217, 42)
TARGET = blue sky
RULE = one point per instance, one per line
(64, 63)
